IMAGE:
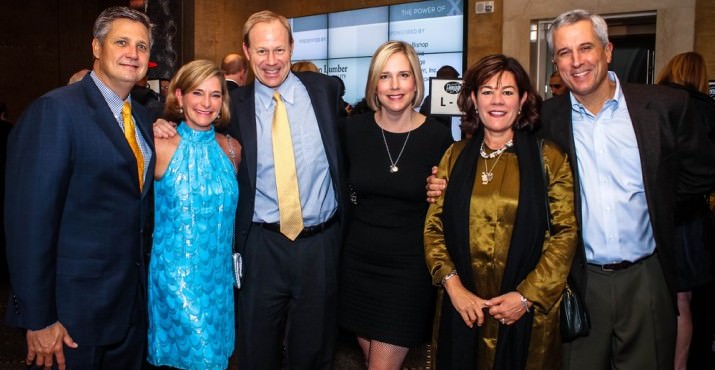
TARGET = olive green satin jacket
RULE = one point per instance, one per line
(492, 214)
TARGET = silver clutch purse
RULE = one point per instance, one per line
(237, 269)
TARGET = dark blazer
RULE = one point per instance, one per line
(325, 98)
(675, 158)
(75, 218)
(231, 85)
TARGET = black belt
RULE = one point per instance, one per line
(308, 231)
(620, 265)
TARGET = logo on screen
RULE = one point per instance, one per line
(452, 87)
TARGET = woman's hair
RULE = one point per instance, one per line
(486, 68)
(303, 66)
(188, 78)
(377, 64)
(686, 69)
(265, 16)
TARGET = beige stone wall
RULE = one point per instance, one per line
(705, 33)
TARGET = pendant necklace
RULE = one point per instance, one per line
(393, 164)
(488, 174)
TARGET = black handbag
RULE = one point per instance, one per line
(575, 320)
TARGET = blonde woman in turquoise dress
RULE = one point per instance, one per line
(191, 314)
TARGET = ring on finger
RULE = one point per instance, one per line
(503, 321)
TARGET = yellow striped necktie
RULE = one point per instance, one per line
(291, 215)
(131, 136)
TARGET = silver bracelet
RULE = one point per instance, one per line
(524, 302)
(449, 276)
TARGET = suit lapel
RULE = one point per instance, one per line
(102, 115)
(647, 130)
(325, 114)
(144, 127)
(246, 111)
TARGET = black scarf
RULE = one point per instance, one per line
(456, 342)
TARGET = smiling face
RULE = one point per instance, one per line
(269, 52)
(582, 59)
(122, 58)
(396, 87)
(202, 104)
(498, 102)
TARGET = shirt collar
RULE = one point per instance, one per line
(113, 100)
(264, 94)
(611, 104)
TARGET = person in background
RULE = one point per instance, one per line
(694, 221)
(557, 85)
(77, 205)
(236, 71)
(444, 72)
(386, 297)
(191, 313)
(78, 76)
(345, 107)
(150, 99)
(304, 66)
(164, 89)
(501, 239)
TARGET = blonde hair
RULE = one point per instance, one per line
(188, 78)
(686, 69)
(377, 64)
(265, 16)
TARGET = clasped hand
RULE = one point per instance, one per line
(506, 308)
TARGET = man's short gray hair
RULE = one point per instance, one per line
(573, 16)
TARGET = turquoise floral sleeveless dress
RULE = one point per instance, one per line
(191, 309)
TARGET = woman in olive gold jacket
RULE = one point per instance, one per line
(501, 238)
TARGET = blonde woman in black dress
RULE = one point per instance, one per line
(386, 295)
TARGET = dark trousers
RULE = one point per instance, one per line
(127, 354)
(288, 297)
(632, 321)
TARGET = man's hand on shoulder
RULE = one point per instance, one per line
(435, 186)
(46, 345)
(164, 129)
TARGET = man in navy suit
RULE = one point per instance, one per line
(289, 293)
(77, 200)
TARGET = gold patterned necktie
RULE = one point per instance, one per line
(131, 136)
(291, 215)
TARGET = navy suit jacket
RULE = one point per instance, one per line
(76, 220)
(325, 99)
(675, 156)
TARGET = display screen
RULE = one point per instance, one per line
(341, 44)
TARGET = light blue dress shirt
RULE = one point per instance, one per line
(317, 196)
(616, 224)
